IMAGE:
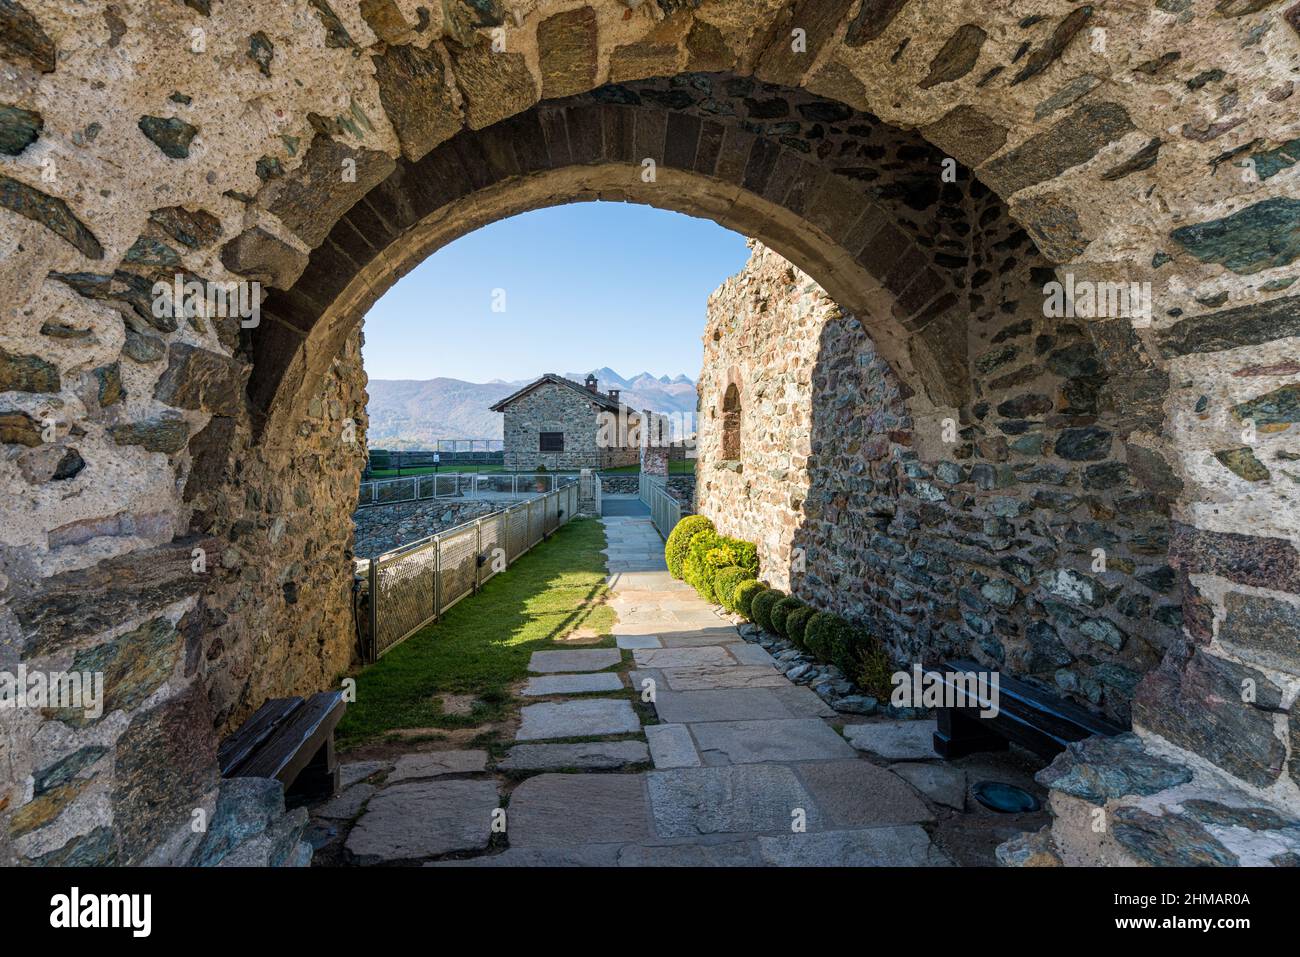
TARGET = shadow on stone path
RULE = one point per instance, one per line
(744, 767)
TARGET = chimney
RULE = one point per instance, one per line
(591, 383)
(613, 394)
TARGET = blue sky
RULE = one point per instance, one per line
(586, 285)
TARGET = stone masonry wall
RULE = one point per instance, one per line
(555, 408)
(985, 549)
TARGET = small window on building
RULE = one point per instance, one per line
(551, 441)
(731, 423)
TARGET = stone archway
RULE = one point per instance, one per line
(252, 143)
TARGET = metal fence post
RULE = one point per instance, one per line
(478, 552)
(373, 573)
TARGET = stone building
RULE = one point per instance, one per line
(559, 424)
(931, 164)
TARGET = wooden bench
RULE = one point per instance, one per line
(291, 740)
(1030, 717)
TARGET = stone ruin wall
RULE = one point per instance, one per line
(984, 548)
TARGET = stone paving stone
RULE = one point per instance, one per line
(589, 756)
(425, 819)
(752, 742)
(747, 798)
(725, 635)
(902, 846)
(728, 854)
(802, 702)
(632, 642)
(671, 746)
(345, 805)
(727, 704)
(431, 764)
(856, 793)
(724, 676)
(571, 684)
(553, 810)
(682, 657)
(748, 654)
(574, 659)
(581, 718)
(894, 740)
(353, 771)
(940, 783)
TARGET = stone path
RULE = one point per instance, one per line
(744, 767)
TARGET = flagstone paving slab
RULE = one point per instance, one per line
(557, 809)
(745, 798)
(671, 746)
(697, 638)
(571, 684)
(351, 772)
(802, 702)
(708, 677)
(894, 740)
(728, 704)
(424, 819)
(574, 659)
(580, 718)
(940, 783)
(432, 764)
(903, 846)
(592, 855)
(856, 793)
(632, 642)
(589, 756)
(682, 657)
(753, 742)
(345, 805)
(748, 654)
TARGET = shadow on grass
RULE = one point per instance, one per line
(483, 644)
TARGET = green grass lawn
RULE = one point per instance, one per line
(483, 644)
(675, 467)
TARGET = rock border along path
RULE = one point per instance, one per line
(744, 767)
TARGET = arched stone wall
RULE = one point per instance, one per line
(220, 139)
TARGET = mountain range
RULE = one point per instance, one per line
(413, 413)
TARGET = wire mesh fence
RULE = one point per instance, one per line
(417, 488)
(406, 589)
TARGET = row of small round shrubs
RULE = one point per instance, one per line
(727, 580)
(745, 594)
(762, 606)
(853, 651)
(679, 541)
(695, 567)
(781, 610)
(796, 622)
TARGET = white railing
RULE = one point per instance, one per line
(418, 488)
(665, 511)
(411, 586)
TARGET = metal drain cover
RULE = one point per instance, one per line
(1005, 798)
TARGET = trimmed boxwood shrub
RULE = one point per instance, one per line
(781, 610)
(746, 592)
(725, 582)
(708, 553)
(679, 541)
(796, 621)
(816, 633)
(762, 606)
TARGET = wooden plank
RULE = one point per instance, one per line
(295, 742)
(240, 746)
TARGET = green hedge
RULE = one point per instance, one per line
(746, 592)
(762, 607)
(707, 553)
(725, 583)
(781, 610)
(795, 622)
(679, 541)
